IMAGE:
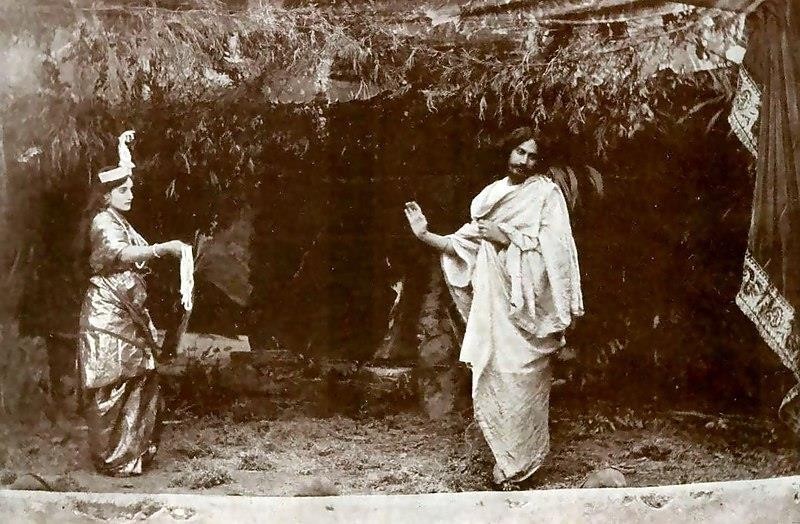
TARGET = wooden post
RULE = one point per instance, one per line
(12, 259)
(6, 241)
(9, 327)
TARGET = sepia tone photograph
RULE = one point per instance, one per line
(396, 261)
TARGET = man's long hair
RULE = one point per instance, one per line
(515, 138)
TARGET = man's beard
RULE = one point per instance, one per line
(519, 171)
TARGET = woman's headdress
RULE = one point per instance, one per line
(126, 165)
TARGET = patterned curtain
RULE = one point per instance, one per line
(766, 117)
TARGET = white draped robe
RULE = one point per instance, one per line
(516, 302)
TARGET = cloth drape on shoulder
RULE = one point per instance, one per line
(539, 267)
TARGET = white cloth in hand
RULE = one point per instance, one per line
(187, 277)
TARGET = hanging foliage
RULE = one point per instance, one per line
(607, 78)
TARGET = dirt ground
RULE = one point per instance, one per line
(240, 451)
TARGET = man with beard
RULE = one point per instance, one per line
(513, 274)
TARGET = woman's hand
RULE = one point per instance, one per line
(127, 137)
(417, 221)
(488, 230)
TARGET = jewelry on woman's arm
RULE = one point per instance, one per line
(155, 251)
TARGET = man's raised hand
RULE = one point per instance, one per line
(417, 221)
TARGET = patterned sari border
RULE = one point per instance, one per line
(743, 117)
(773, 316)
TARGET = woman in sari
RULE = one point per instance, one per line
(117, 338)
(513, 274)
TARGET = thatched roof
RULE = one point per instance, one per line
(376, 45)
(604, 64)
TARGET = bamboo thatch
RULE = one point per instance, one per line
(604, 77)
